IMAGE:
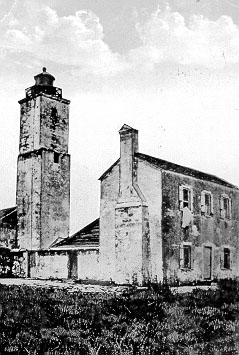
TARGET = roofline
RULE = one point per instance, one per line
(194, 171)
(72, 236)
(226, 183)
(25, 99)
(108, 170)
(87, 247)
(14, 210)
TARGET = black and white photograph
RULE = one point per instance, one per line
(119, 177)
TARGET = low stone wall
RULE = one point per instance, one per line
(88, 264)
(78, 264)
(48, 264)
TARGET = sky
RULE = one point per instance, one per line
(167, 68)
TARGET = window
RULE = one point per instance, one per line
(56, 158)
(185, 197)
(225, 207)
(206, 203)
(226, 261)
(226, 258)
(186, 256)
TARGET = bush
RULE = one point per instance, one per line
(153, 321)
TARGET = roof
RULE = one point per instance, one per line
(126, 128)
(109, 170)
(86, 237)
(166, 165)
(12, 211)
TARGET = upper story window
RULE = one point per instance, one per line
(206, 203)
(185, 197)
(225, 207)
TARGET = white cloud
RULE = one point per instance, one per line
(166, 37)
(76, 40)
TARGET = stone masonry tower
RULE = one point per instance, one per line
(43, 168)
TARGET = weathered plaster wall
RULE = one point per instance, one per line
(28, 201)
(62, 264)
(130, 239)
(55, 198)
(43, 181)
(29, 125)
(204, 230)
(88, 264)
(54, 124)
(43, 199)
(128, 244)
(46, 265)
(109, 196)
(44, 123)
(149, 181)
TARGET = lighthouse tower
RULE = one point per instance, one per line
(43, 168)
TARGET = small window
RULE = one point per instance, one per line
(206, 203)
(225, 207)
(56, 158)
(186, 257)
(185, 197)
(226, 262)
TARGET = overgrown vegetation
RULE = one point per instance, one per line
(50, 321)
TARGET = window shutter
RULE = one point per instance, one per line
(230, 208)
(221, 202)
(203, 209)
(222, 258)
(180, 197)
(181, 256)
(212, 205)
(222, 211)
(191, 197)
(192, 256)
(232, 251)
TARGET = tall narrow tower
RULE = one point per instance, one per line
(43, 168)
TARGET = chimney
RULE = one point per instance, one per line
(128, 167)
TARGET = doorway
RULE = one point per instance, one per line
(72, 265)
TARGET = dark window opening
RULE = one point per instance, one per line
(56, 158)
(186, 198)
(207, 203)
(226, 207)
(226, 263)
(187, 256)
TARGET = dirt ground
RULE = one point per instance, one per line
(72, 286)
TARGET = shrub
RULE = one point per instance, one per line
(153, 321)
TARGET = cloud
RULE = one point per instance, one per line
(33, 33)
(166, 37)
(75, 40)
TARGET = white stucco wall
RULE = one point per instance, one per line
(150, 183)
(109, 195)
(49, 265)
(88, 265)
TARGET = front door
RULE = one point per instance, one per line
(207, 263)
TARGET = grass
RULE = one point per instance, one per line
(50, 321)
